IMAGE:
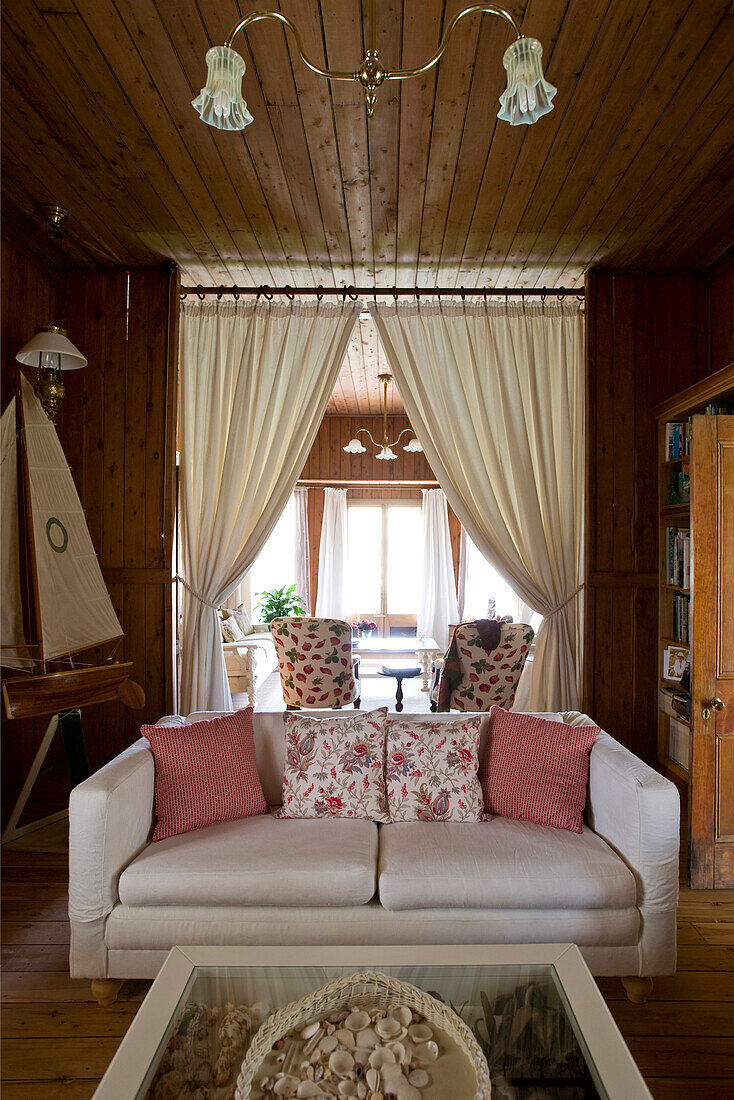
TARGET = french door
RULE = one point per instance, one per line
(384, 559)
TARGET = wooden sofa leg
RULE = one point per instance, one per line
(637, 989)
(105, 990)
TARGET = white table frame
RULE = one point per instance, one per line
(425, 649)
(610, 1063)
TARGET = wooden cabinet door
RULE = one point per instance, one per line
(712, 752)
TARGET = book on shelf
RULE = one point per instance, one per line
(677, 439)
(679, 741)
(678, 556)
(681, 616)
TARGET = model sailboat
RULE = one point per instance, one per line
(47, 549)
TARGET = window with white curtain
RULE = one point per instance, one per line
(487, 594)
(275, 565)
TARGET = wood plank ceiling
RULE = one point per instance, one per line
(633, 169)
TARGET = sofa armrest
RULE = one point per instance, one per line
(637, 812)
(110, 819)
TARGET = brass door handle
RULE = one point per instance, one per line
(715, 704)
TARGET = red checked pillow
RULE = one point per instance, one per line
(204, 772)
(536, 770)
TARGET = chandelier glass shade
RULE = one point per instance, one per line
(385, 452)
(527, 97)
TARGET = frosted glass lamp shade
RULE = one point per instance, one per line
(413, 445)
(220, 103)
(51, 349)
(528, 94)
(355, 447)
(385, 453)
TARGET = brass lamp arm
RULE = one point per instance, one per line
(257, 16)
(408, 430)
(475, 9)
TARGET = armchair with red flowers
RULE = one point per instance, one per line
(316, 663)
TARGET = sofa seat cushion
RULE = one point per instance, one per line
(499, 864)
(258, 861)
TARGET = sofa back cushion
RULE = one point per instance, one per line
(204, 772)
(270, 740)
(536, 770)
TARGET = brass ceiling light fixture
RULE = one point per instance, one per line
(527, 97)
(54, 218)
(51, 351)
(385, 450)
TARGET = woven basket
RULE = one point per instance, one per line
(367, 989)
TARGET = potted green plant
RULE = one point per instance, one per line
(274, 603)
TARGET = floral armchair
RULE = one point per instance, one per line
(317, 668)
(478, 678)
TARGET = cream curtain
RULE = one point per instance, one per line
(496, 396)
(255, 381)
(331, 598)
(438, 604)
(303, 574)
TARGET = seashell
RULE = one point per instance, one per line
(341, 1062)
(419, 1078)
(407, 1091)
(401, 1013)
(388, 1027)
(366, 1038)
(347, 1088)
(361, 1090)
(398, 1049)
(372, 1079)
(312, 1043)
(357, 1020)
(381, 1057)
(308, 1088)
(420, 1033)
(328, 1044)
(259, 1011)
(345, 1037)
(426, 1053)
(310, 1029)
(375, 1096)
(286, 1086)
(360, 1056)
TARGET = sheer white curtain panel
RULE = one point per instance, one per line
(331, 598)
(303, 563)
(255, 381)
(438, 603)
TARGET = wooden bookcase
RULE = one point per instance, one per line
(691, 535)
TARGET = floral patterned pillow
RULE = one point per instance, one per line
(431, 770)
(334, 767)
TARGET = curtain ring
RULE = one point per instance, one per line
(462, 292)
(236, 295)
(417, 294)
(319, 292)
(199, 293)
(267, 295)
(182, 295)
(288, 293)
(394, 294)
(579, 298)
(351, 291)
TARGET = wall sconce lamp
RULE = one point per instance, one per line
(51, 351)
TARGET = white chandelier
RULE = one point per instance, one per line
(385, 450)
(527, 97)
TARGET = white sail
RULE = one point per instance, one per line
(11, 611)
(75, 607)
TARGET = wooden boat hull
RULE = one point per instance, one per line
(32, 696)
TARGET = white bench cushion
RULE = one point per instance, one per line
(258, 861)
(499, 864)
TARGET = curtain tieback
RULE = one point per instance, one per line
(560, 606)
(197, 595)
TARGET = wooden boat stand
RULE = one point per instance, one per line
(70, 723)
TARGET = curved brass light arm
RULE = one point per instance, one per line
(257, 16)
(475, 9)
(384, 442)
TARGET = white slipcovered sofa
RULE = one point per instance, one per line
(249, 663)
(613, 889)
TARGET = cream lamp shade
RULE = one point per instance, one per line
(51, 349)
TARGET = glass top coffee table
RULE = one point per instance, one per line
(535, 1011)
(426, 650)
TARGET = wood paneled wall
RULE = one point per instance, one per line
(329, 463)
(648, 336)
(118, 432)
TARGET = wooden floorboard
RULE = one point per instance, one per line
(682, 1039)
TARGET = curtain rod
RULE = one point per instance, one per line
(355, 292)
